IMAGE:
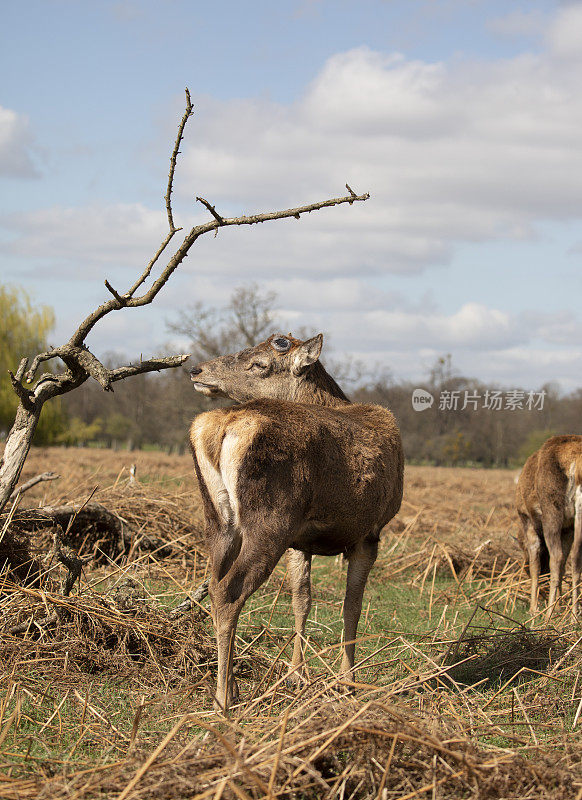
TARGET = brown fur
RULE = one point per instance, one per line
(549, 506)
(320, 476)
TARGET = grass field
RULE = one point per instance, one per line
(459, 694)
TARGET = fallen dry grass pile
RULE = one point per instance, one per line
(450, 560)
(106, 525)
(154, 518)
(490, 655)
(344, 749)
(121, 634)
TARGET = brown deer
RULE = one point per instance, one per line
(295, 467)
(549, 505)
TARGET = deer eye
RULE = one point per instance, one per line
(281, 344)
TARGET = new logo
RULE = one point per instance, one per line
(421, 399)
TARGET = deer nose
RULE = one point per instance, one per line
(195, 371)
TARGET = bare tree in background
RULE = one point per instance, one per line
(80, 364)
(247, 319)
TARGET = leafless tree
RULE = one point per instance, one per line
(80, 364)
(247, 318)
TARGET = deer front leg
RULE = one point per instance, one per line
(250, 569)
(577, 553)
(299, 578)
(360, 562)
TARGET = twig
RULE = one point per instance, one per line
(41, 623)
(44, 476)
(212, 210)
(194, 600)
(168, 198)
(524, 712)
(69, 558)
(121, 300)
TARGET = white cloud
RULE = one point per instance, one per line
(79, 242)
(15, 146)
(564, 35)
(563, 328)
(470, 328)
(520, 23)
(449, 152)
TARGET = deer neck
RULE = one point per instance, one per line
(317, 387)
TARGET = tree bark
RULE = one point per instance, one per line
(16, 450)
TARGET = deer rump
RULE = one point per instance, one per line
(312, 478)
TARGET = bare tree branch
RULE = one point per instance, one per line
(70, 559)
(199, 230)
(153, 365)
(21, 369)
(212, 210)
(80, 362)
(25, 396)
(38, 360)
(44, 476)
(79, 336)
(187, 114)
(147, 272)
(191, 601)
(121, 300)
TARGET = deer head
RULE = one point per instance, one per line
(280, 368)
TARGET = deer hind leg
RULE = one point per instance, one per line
(360, 562)
(531, 537)
(577, 551)
(251, 567)
(552, 525)
(299, 578)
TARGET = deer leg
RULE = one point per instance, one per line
(532, 546)
(552, 525)
(250, 569)
(360, 562)
(299, 577)
(225, 544)
(577, 552)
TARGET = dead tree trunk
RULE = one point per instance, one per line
(16, 450)
(80, 363)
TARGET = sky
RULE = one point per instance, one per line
(461, 118)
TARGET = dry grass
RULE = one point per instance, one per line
(460, 695)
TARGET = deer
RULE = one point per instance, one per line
(549, 507)
(293, 467)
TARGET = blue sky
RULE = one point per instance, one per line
(462, 119)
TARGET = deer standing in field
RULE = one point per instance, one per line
(549, 505)
(295, 467)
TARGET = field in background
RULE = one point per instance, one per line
(114, 699)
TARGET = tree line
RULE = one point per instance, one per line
(465, 423)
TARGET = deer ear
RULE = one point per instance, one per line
(307, 354)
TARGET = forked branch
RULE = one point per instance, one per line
(80, 363)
